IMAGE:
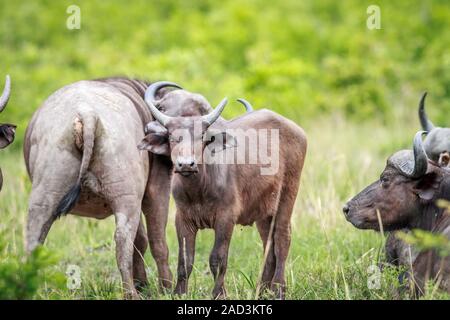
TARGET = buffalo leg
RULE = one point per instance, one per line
(140, 246)
(156, 208)
(219, 257)
(48, 189)
(127, 215)
(269, 266)
(282, 242)
(47, 192)
(42, 206)
(186, 254)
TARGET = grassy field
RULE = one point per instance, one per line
(329, 258)
(354, 91)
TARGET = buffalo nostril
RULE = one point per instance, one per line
(192, 163)
(346, 209)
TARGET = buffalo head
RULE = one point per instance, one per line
(185, 136)
(7, 131)
(396, 200)
(176, 103)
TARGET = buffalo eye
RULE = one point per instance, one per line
(384, 181)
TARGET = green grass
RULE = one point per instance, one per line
(328, 258)
(355, 91)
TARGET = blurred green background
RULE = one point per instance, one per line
(301, 58)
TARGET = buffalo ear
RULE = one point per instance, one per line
(155, 143)
(7, 133)
(156, 140)
(444, 159)
(427, 186)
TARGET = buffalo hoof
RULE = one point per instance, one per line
(219, 294)
(279, 290)
(180, 289)
(165, 285)
(140, 285)
(132, 295)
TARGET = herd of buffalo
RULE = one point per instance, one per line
(120, 146)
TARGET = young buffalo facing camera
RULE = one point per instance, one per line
(7, 131)
(405, 197)
(212, 190)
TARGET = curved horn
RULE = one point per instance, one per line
(6, 93)
(150, 93)
(247, 105)
(210, 118)
(150, 97)
(158, 115)
(420, 158)
(427, 125)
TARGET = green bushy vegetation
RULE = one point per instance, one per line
(26, 277)
(301, 58)
(354, 90)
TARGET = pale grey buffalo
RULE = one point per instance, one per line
(7, 131)
(81, 155)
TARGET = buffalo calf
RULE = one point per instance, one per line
(218, 194)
